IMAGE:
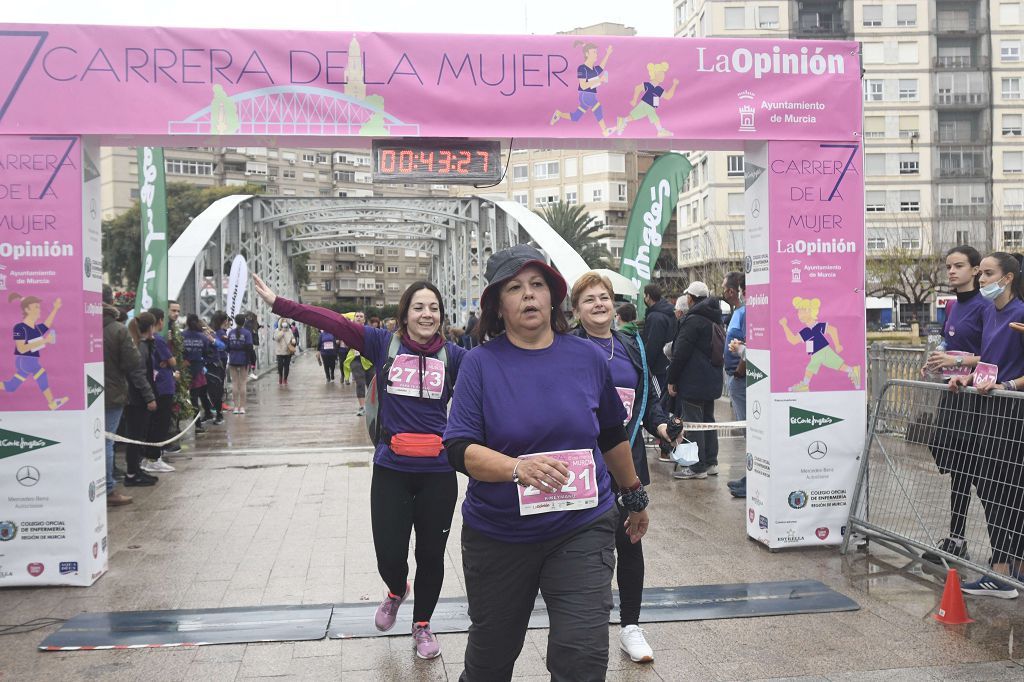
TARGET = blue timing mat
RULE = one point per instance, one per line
(193, 627)
(660, 605)
(197, 627)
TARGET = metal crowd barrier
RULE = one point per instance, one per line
(924, 440)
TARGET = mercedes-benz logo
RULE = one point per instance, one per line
(817, 450)
(28, 476)
(97, 430)
(757, 410)
(755, 208)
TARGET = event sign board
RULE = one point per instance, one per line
(52, 472)
(806, 406)
(167, 83)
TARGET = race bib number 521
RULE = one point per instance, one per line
(579, 492)
(403, 377)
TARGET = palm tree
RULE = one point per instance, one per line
(580, 230)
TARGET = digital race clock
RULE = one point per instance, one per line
(437, 161)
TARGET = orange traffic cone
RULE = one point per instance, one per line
(952, 610)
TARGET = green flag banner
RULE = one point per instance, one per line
(153, 214)
(652, 210)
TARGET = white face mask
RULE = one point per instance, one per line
(992, 291)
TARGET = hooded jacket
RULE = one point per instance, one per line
(691, 370)
(659, 329)
(649, 412)
(121, 362)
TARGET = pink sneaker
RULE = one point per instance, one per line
(387, 612)
(425, 641)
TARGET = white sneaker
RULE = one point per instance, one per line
(633, 642)
(359, 412)
(160, 465)
(712, 470)
(253, 376)
(147, 465)
(686, 473)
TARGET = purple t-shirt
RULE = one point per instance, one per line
(194, 348)
(651, 92)
(586, 73)
(164, 375)
(816, 336)
(239, 345)
(25, 333)
(409, 414)
(963, 328)
(1000, 345)
(518, 402)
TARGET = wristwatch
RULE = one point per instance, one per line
(959, 361)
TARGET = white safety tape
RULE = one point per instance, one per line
(716, 426)
(121, 439)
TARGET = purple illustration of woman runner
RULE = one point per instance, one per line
(29, 338)
(590, 75)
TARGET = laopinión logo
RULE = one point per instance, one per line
(798, 499)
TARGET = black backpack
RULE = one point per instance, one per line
(717, 345)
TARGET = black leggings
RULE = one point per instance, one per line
(1001, 477)
(200, 398)
(399, 501)
(284, 365)
(215, 387)
(629, 573)
(330, 361)
(159, 425)
(136, 427)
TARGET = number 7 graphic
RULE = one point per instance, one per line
(849, 162)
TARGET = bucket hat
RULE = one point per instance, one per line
(507, 263)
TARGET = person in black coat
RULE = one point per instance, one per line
(659, 329)
(695, 376)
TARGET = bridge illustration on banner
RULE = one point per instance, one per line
(293, 110)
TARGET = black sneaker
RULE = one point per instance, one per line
(173, 447)
(955, 546)
(218, 420)
(199, 428)
(139, 480)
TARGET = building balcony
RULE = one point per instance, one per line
(963, 211)
(962, 100)
(960, 63)
(961, 171)
(956, 26)
(820, 28)
(975, 137)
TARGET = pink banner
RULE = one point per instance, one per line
(167, 83)
(816, 241)
(42, 314)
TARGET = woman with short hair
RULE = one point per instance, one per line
(593, 301)
(537, 425)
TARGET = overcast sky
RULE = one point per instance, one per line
(649, 17)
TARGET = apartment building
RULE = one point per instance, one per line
(942, 121)
(353, 276)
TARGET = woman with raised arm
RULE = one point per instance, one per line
(413, 484)
(536, 424)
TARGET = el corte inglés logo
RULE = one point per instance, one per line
(93, 390)
(802, 421)
(754, 374)
(12, 443)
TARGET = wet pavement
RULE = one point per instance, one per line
(273, 508)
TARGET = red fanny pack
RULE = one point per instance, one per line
(416, 444)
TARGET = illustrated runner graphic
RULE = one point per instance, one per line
(29, 338)
(590, 75)
(816, 336)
